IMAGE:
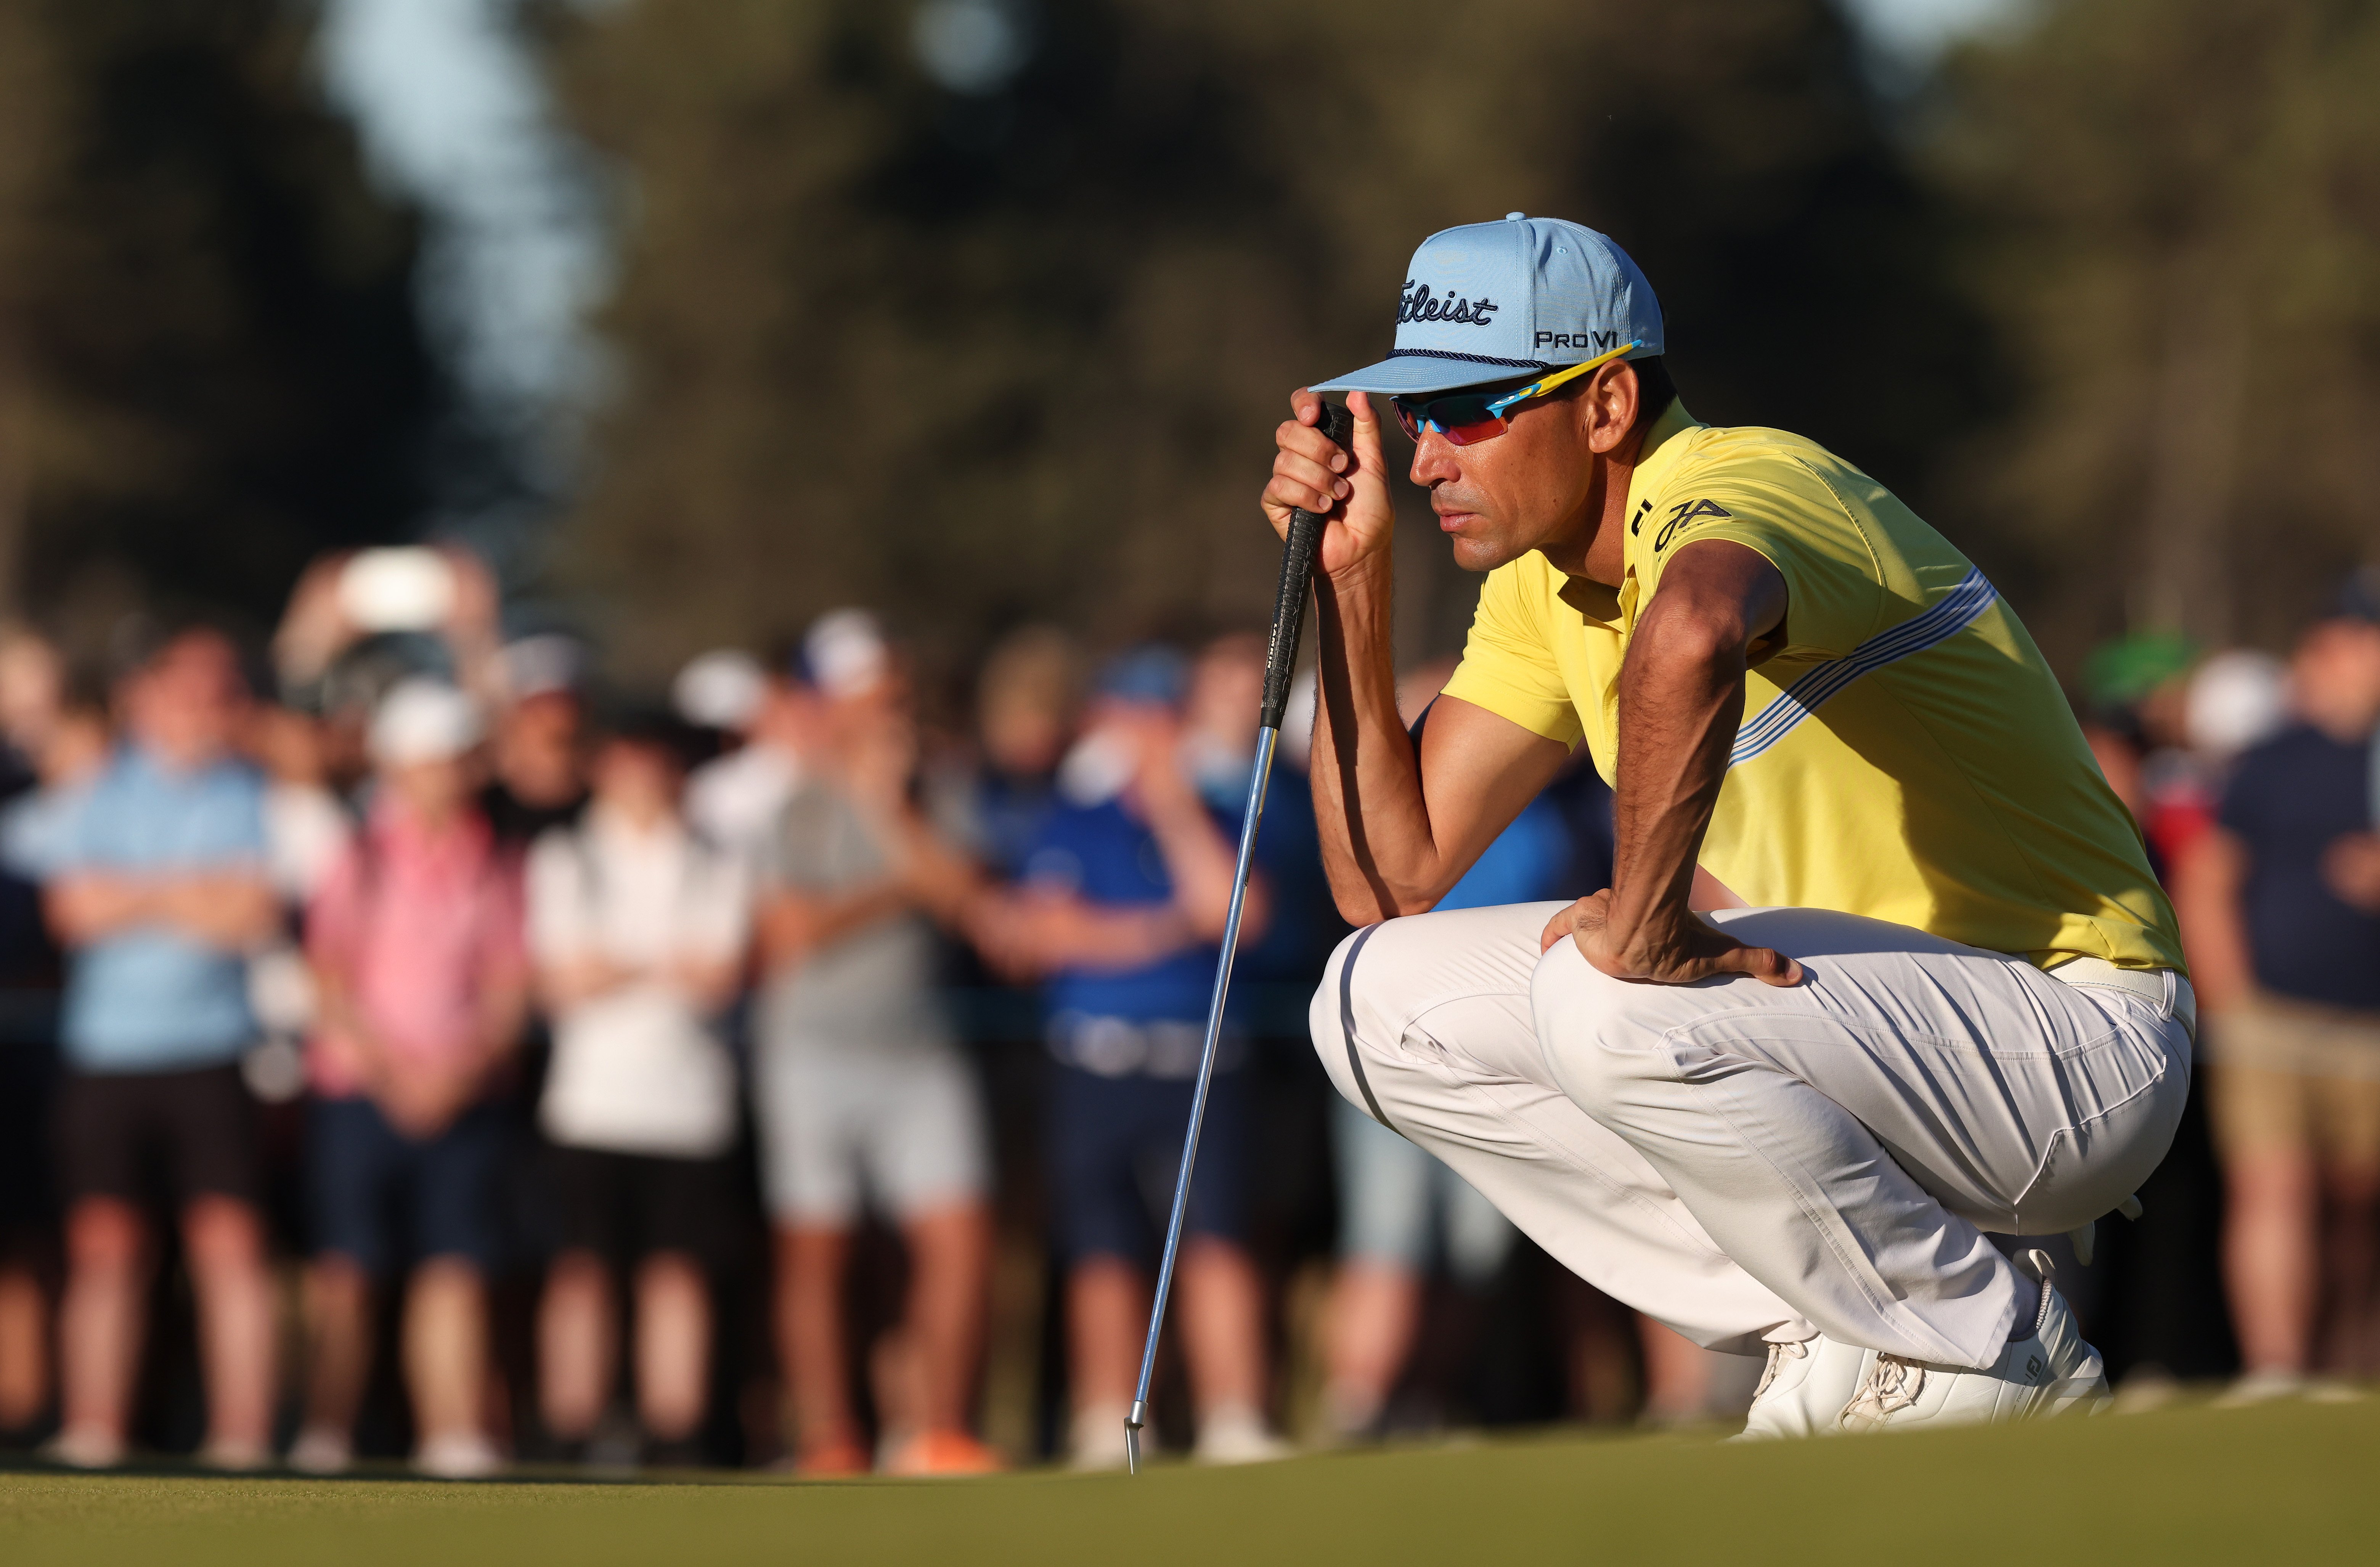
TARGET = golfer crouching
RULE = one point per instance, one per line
(1882, 970)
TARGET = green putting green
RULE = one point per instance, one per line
(2282, 1482)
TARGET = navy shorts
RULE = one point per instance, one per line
(377, 1198)
(1115, 1144)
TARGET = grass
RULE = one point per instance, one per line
(2291, 1483)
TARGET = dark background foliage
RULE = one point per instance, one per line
(2102, 296)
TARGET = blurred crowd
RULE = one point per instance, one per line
(410, 1048)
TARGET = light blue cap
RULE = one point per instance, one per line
(1488, 301)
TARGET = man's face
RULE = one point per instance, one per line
(1226, 689)
(638, 778)
(2337, 677)
(536, 750)
(1527, 489)
(434, 789)
(187, 704)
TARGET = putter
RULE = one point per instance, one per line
(1280, 659)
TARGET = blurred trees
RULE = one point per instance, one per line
(2175, 218)
(210, 361)
(1018, 344)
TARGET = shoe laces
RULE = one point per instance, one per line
(1890, 1386)
(1779, 1353)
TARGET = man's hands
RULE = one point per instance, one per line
(423, 1100)
(1348, 489)
(1665, 949)
(2351, 868)
(232, 910)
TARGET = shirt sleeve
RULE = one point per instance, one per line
(63, 835)
(1507, 662)
(2235, 812)
(504, 946)
(1784, 512)
(719, 923)
(332, 915)
(235, 836)
(557, 903)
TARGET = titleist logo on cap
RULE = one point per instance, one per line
(1419, 303)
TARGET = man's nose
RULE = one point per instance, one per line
(1433, 460)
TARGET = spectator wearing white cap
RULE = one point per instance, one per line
(415, 939)
(862, 1095)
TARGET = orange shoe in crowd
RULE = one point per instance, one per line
(830, 1460)
(943, 1452)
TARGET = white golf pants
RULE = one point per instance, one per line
(1747, 1162)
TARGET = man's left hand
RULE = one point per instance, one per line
(2351, 868)
(1675, 949)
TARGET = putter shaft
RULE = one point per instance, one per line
(1259, 775)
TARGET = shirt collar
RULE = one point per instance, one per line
(1614, 607)
(404, 832)
(1661, 452)
(141, 762)
(614, 830)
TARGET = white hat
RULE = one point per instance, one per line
(423, 719)
(2236, 700)
(844, 654)
(720, 689)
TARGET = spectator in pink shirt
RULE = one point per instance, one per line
(417, 947)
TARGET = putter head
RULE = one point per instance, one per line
(1132, 1425)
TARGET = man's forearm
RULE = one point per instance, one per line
(232, 910)
(1377, 845)
(1200, 859)
(1681, 703)
(2207, 886)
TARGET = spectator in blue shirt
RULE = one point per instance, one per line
(159, 889)
(1122, 908)
(2280, 902)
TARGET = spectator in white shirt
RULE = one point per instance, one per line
(637, 929)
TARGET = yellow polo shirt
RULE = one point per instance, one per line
(1905, 753)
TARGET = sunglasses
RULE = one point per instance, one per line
(1466, 418)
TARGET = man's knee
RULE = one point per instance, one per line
(1329, 1016)
(1367, 996)
(222, 1233)
(105, 1233)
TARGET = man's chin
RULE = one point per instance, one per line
(1481, 554)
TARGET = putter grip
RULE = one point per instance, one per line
(1297, 572)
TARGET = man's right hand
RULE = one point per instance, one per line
(1350, 489)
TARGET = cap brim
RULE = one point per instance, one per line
(1410, 374)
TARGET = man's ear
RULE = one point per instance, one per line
(1610, 401)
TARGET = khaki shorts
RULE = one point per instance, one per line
(2296, 1078)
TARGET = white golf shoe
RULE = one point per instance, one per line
(1804, 1392)
(2048, 1372)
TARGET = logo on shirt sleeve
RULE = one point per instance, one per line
(1684, 515)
